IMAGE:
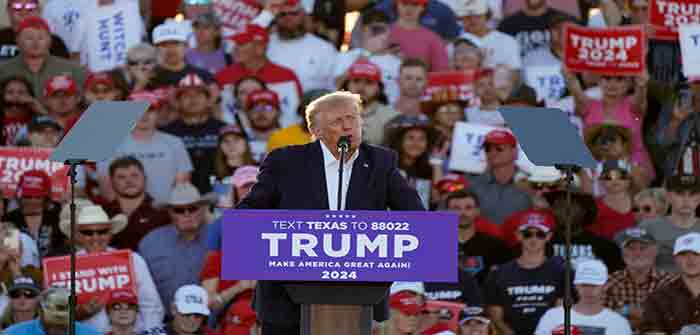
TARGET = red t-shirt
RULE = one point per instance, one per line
(609, 221)
(483, 225)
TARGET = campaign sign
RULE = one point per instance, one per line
(610, 51)
(547, 81)
(689, 38)
(15, 161)
(235, 14)
(461, 82)
(323, 245)
(665, 16)
(96, 274)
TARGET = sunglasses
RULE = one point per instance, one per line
(149, 62)
(185, 210)
(543, 186)
(262, 108)
(617, 78)
(23, 293)
(614, 176)
(538, 233)
(643, 209)
(29, 6)
(91, 232)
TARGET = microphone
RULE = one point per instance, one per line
(344, 143)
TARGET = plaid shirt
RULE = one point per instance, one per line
(622, 291)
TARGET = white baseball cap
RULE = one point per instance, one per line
(470, 7)
(545, 174)
(411, 286)
(591, 271)
(169, 31)
(191, 299)
(687, 242)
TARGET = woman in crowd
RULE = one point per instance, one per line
(650, 203)
(445, 108)
(209, 54)
(466, 55)
(17, 107)
(473, 321)
(233, 152)
(140, 65)
(94, 233)
(616, 106)
(615, 207)
(241, 90)
(414, 139)
(365, 78)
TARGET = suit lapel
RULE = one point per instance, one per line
(318, 176)
(359, 180)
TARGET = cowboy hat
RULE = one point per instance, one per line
(592, 133)
(92, 214)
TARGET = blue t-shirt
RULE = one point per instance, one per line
(214, 235)
(33, 327)
(437, 17)
(525, 294)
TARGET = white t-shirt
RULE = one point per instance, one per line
(62, 16)
(388, 63)
(311, 58)
(490, 118)
(606, 322)
(500, 49)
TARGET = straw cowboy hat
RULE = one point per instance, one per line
(592, 133)
(88, 214)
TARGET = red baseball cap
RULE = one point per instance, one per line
(364, 69)
(60, 83)
(406, 302)
(262, 95)
(533, 218)
(121, 296)
(97, 78)
(252, 32)
(146, 96)
(451, 182)
(35, 22)
(34, 184)
(500, 137)
(415, 2)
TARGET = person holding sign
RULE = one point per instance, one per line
(94, 233)
(445, 108)
(305, 177)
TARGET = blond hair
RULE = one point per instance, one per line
(330, 100)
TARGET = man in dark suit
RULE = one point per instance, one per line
(306, 177)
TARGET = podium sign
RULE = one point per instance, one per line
(369, 246)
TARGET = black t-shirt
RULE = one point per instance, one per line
(532, 32)
(201, 143)
(525, 294)
(166, 78)
(481, 253)
(466, 290)
(587, 245)
(8, 45)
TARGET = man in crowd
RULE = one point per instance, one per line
(24, 302)
(35, 61)
(175, 253)
(498, 194)
(519, 292)
(41, 132)
(479, 250)
(189, 311)
(314, 58)
(53, 317)
(252, 60)
(670, 309)
(413, 77)
(628, 289)
(530, 25)
(100, 86)
(684, 196)
(263, 111)
(588, 312)
(171, 41)
(122, 309)
(164, 157)
(18, 10)
(197, 128)
(63, 101)
(128, 179)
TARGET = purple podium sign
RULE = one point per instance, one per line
(323, 245)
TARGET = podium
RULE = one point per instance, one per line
(339, 265)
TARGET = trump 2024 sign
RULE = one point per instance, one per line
(339, 245)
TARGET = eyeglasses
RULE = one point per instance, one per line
(262, 108)
(91, 232)
(149, 62)
(185, 210)
(377, 29)
(614, 176)
(643, 209)
(23, 293)
(537, 233)
(29, 6)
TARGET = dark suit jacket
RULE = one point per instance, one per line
(294, 178)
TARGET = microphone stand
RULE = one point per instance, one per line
(342, 149)
(72, 173)
(568, 303)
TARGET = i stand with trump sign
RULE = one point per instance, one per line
(322, 245)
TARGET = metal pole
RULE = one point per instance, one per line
(340, 179)
(72, 164)
(567, 253)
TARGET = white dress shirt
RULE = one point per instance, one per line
(330, 163)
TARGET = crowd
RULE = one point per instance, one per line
(228, 81)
